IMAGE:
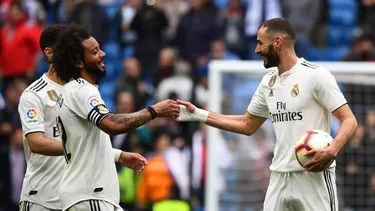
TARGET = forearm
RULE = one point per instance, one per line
(47, 147)
(346, 131)
(123, 123)
(232, 123)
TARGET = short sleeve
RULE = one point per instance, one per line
(258, 105)
(327, 91)
(31, 111)
(88, 104)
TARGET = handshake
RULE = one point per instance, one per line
(180, 110)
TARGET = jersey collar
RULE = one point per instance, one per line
(44, 76)
(294, 68)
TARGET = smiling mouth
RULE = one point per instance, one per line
(101, 64)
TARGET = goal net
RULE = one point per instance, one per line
(239, 182)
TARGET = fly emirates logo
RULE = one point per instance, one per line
(285, 116)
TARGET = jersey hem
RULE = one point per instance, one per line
(299, 170)
(86, 199)
(32, 131)
(339, 107)
(257, 115)
(40, 204)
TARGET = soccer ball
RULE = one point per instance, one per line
(311, 139)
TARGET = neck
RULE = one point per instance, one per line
(88, 77)
(51, 75)
(287, 60)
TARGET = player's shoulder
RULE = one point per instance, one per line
(313, 68)
(37, 87)
(78, 84)
(80, 87)
(36, 90)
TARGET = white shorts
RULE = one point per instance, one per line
(94, 205)
(302, 191)
(29, 206)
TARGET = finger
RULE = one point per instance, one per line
(310, 153)
(183, 102)
(315, 168)
(309, 164)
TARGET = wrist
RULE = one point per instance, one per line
(333, 150)
(201, 115)
(152, 111)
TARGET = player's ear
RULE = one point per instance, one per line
(79, 64)
(48, 53)
(278, 42)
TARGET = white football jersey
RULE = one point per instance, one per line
(298, 100)
(38, 113)
(91, 172)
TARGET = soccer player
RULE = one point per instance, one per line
(90, 181)
(42, 143)
(298, 96)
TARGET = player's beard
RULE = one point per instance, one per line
(273, 60)
(94, 70)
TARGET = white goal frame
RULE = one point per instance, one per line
(364, 73)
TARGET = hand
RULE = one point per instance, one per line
(320, 160)
(167, 108)
(190, 107)
(190, 113)
(134, 161)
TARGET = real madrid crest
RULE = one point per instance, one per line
(295, 90)
(272, 81)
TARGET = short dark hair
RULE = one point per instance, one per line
(280, 25)
(49, 36)
(68, 51)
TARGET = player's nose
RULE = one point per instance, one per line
(102, 54)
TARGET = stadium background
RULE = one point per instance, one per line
(158, 49)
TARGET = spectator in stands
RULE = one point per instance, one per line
(167, 59)
(199, 164)
(64, 9)
(149, 23)
(233, 24)
(130, 80)
(4, 8)
(352, 168)
(219, 51)
(124, 17)
(193, 40)
(9, 123)
(178, 159)
(303, 15)
(19, 46)
(174, 10)
(370, 198)
(35, 12)
(156, 182)
(18, 165)
(89, 13)
(257, 12)
(362, 50)
(367, 17)
(180, 83)
(125, 103)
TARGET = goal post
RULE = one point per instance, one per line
(345, 72)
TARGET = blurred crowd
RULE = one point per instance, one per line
(158, 49)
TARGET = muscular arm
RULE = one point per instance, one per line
(44, 146)
(245, 124)
(115, 124)
(347, 129)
